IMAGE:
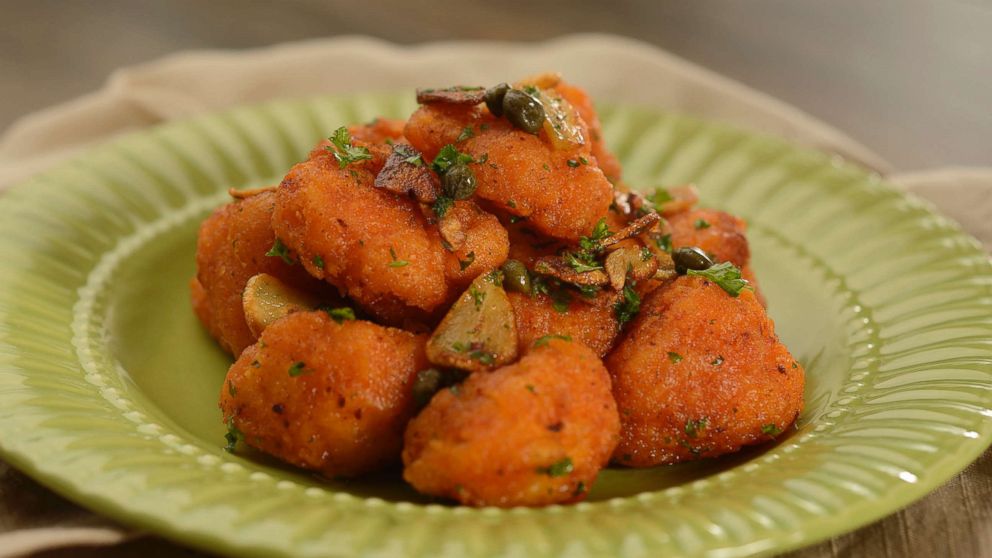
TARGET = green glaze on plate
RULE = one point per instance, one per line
(108, 385)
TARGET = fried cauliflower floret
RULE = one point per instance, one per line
(483, 247)
(525, 176)
(376, 247)
(562, 192)
(717, 233)
(333, 398)
(590, 322)
(700, 374)
(532, 433)
(433, 126)
(230, 249)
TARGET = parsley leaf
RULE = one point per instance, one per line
(582, 261)
(542, 341)
(279, 250)
(339, 315)
(771, 429)
(483, 357)
(591, 243)
(477, 297)
(572, 163)
(702, 224)
(466, 134)
(558, 468)
(343, 151)
(415, 160)
(448, 156)
(674, 357)
(726, 275)
(664, 242)
(659, 197)
(232, 437)
(318, 262)
(693, 427)
(395, 262)
(628, 306)
(442, 205)
(560, 299)
(463, 264)
(297, 369)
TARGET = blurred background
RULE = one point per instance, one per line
(911, 79)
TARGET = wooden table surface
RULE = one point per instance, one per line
(911, 79)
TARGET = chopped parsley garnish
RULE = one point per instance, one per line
(579, 489)
(558, 468)
(279, 250)
(463, 264)
(726, 275)
(542, 341)
(449, 156)
(232, 437)
(442, 205)
(297, 369)
(664, 242)
(415, 160)
(717, 361)
(560, 299)
(582, 261)
(628, 306)
(659, 197)
(531, 388)
(573, 163)
(477, 297)
(588, 291)
(771, 430)
(466, 134)
(646, 254)
(339, 315)
(531, 90)
(483, 357)
(674, 357)
(693, 427)
(701, 224)
(233, 391)
(583, 160)
(395, 262)
(343, 151)
(511, 203)
(592, 242)
(318, 262)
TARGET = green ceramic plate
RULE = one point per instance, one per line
(108, 385)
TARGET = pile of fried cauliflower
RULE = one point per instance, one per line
(477, 293)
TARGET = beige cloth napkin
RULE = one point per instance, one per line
(613, 68)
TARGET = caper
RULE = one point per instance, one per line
(425, 385)
(494, 98)
(458, 182)
(523, 111)
(690, 257)
(516, 277)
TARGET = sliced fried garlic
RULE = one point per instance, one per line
(635, 262)
(635, 228)
(479, 332)
(266, 299)
(242, 194)
(561, 268)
